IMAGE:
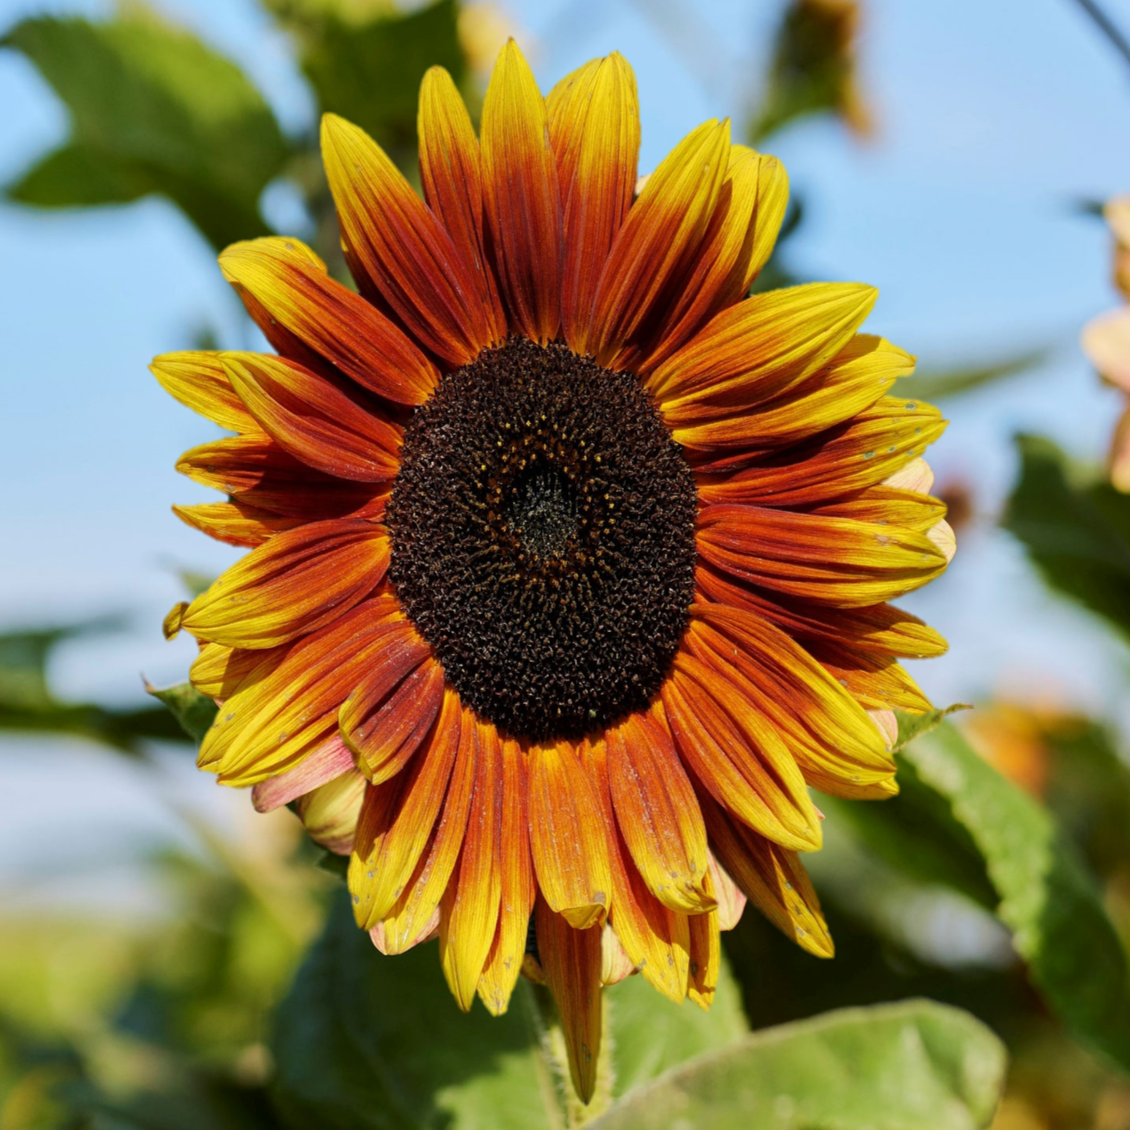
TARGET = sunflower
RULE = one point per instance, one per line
(569, 557)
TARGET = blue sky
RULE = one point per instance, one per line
(993, 120)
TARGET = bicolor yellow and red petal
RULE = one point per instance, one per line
(521, 198)
(197, 379)
(330, 812)
(330, 319)
(567, 835)
(298, 582)
(314, 419)
(330, 760)
(400, 252)
(653, 255)
(657, 813)
(235, 523)
(594, 127)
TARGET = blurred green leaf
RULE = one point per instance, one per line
(153, 110)
(813, 68)
(1078, 536)
(913, 726)
(651, 1034)
(930, 385)
(910, 1066)
(193, 710)
(1047, 899)
(365, 62)
(24, 655)
(368, 1042)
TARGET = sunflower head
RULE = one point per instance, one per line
(569, 559)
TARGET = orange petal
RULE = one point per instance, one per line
(469, 910)
(388, 716)
(738, 241)
(653, 254)
(657, 813)
(862, 372)
(656, 939)
(330, 319)
(594, 127)
(313, 419)
(451, 174)
(706, 958)
(851, 457)
(567, 835)
(890, 506)
(504, 962)
(298, 582)
(331, 759)
(261, 474)
(758, 349)
(408, 921)
(402, 252)
(234, 522)
(269, 724)
(774, 879)
(198, 381)
(827, 560)
(380, 938)
(737, 753)
(827, 731)
(330, 812)
(397, 818)
(520, 197)
(571, 959)
(880, 630)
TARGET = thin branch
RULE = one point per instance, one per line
(1107, 26)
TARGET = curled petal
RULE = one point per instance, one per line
(330, 319)
(330, 811)
(298, 582)
(615, 964)
(567, 835)
(235, 523)
(198, 381)
(706, 958)
(521, 198)
(572, 962)
(331, 759)
(313, 419)
(731, 898)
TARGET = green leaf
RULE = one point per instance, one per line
(365, 62)
(1047, 898)
(1078, 536)
(651, 1034)
(368, 1042)
(913, 726)
(153, 109)
(193, 710)
(812, 70)
(910, 1066)
(931, 385)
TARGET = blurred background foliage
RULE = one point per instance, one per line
(997, 883)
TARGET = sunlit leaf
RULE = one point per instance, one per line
(1047, 898)
(152, 110)
(193, 710)
(910, 1066)
(1078, 536)
(813, 68)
